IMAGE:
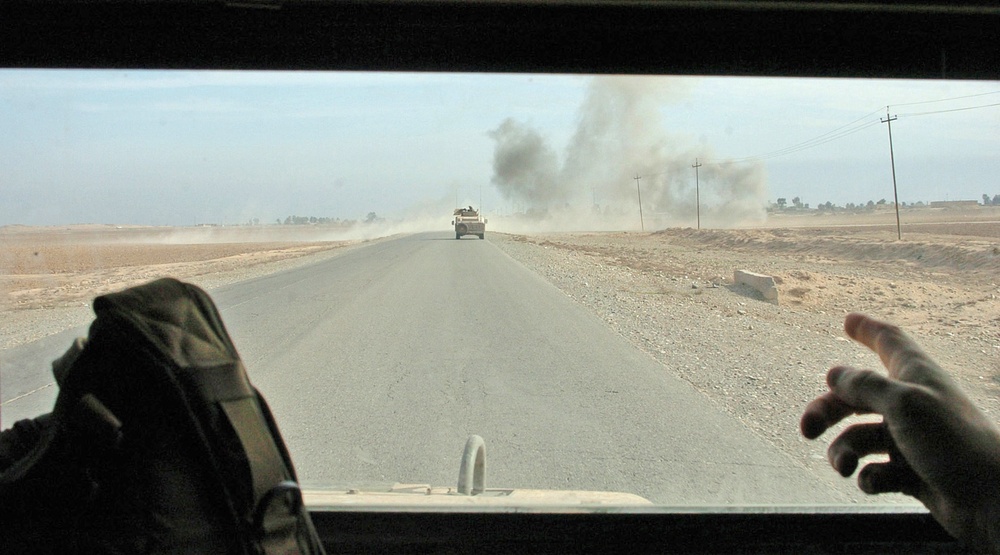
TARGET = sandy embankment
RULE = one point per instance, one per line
(50, 275)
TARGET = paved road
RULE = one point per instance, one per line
(379, 363)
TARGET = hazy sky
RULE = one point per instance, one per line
(180, 148)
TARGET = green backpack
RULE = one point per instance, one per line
(158, 443)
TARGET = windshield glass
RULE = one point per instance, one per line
(622, 284)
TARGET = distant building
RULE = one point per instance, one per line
(954, 203)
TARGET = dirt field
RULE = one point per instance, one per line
(941, 281)
(55, 267)
(943, 274)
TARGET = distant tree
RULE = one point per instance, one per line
(372, 217)
(996, 200)
(782, 202)
(797, 202)
(986, 200)
(871, 204)
(850, 206)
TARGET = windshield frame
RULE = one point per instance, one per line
(810, 39)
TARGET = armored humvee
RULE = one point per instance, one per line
(468, 222)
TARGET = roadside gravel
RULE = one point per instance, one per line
(759, 361)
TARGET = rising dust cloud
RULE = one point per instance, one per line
(620, 134)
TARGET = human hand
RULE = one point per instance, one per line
(942, 449)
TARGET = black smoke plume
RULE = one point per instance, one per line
(620, 134)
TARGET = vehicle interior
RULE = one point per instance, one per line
(919, 39)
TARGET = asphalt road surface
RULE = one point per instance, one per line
(380, 362)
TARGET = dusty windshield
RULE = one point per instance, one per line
(622, 284)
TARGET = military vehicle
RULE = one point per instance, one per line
(468, 222)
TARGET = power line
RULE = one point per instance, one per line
(697, 190)
(946, 99)
(846, 129)
(814, 142)
(912, 114)
(827, 137)
(892, 158)
(851, 128)
(639, 194)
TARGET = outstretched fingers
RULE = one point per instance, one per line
(822, 413)
(855, 443)
(852, 391)
(900, 354)
(866, 390)
(882, 338)
(894, 476)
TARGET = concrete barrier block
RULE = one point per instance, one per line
(762, 283)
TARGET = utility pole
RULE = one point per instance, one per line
(697, 191)
(637, 178)
(888, 120)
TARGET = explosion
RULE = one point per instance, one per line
(620, 135)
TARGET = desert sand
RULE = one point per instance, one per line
(51, 267)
